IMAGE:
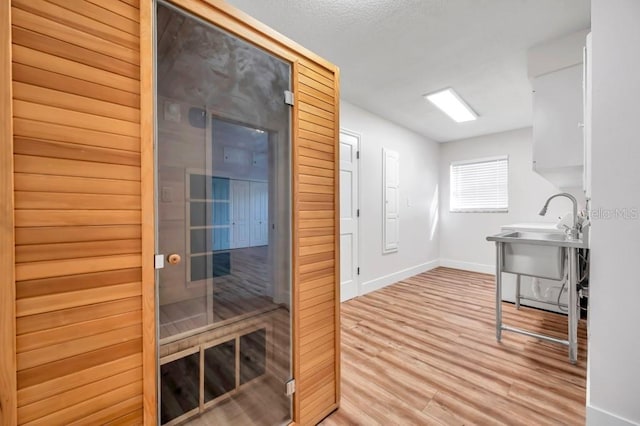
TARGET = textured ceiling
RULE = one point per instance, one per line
(391, 52)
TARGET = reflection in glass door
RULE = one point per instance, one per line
(223, 223)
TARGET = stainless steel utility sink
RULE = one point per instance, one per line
(536, 254)
(545, 255)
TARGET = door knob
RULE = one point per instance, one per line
(174, 259)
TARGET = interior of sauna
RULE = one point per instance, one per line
(224, 224)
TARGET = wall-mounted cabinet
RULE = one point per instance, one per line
(558, 126)
(556, 71)
(588, 121)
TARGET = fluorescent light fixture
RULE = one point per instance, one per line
(452, 105)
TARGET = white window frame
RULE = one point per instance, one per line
(475, 209)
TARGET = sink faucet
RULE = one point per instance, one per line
(573, 231)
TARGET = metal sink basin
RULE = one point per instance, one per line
(555, 236)
(536, 254)
(537, 238)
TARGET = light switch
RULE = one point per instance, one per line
(172, 112)
(165, 194)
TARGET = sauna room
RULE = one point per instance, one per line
(319, 212)
(171, 196)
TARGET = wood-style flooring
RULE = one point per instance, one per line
(261, 404)
(423, 351)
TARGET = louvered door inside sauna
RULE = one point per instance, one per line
(223, 132)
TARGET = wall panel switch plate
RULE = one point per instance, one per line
(166, 194)
(172, 112)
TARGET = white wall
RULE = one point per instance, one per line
(418, 198)
(613, 384)
(463, 235)
(556, 54)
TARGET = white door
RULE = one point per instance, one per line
(240, 213)
(259, 214)
(349, 146)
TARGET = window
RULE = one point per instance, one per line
(480, 185)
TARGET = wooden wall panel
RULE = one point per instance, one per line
(316, 242)
(149, 410)
(8, 396)
(78, 209)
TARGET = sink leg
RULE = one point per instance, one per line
(573, 306)
(517, 291)
(499, 261)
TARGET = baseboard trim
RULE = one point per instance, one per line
(378, 283)
(599, 417)
(468, 266)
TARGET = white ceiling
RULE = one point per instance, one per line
(391, 52)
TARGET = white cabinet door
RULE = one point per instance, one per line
(588, 108)
(259, 214)
(557, 126)
(240, 213)
(348, 216)
(391, 232)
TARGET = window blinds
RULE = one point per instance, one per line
(480, 185)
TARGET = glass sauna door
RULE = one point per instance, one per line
(223, 226)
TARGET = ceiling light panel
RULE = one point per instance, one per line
(452, 104)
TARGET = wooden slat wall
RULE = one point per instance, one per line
(316, 241)
(76, 109)
(8, 396)
(147, 185)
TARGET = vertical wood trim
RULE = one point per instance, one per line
(295, 226)
(336, 123)
(149, 344)
(8, 384)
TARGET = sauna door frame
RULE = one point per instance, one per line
(241, 25)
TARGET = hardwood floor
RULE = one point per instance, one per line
(423, 351)
(261, 403)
